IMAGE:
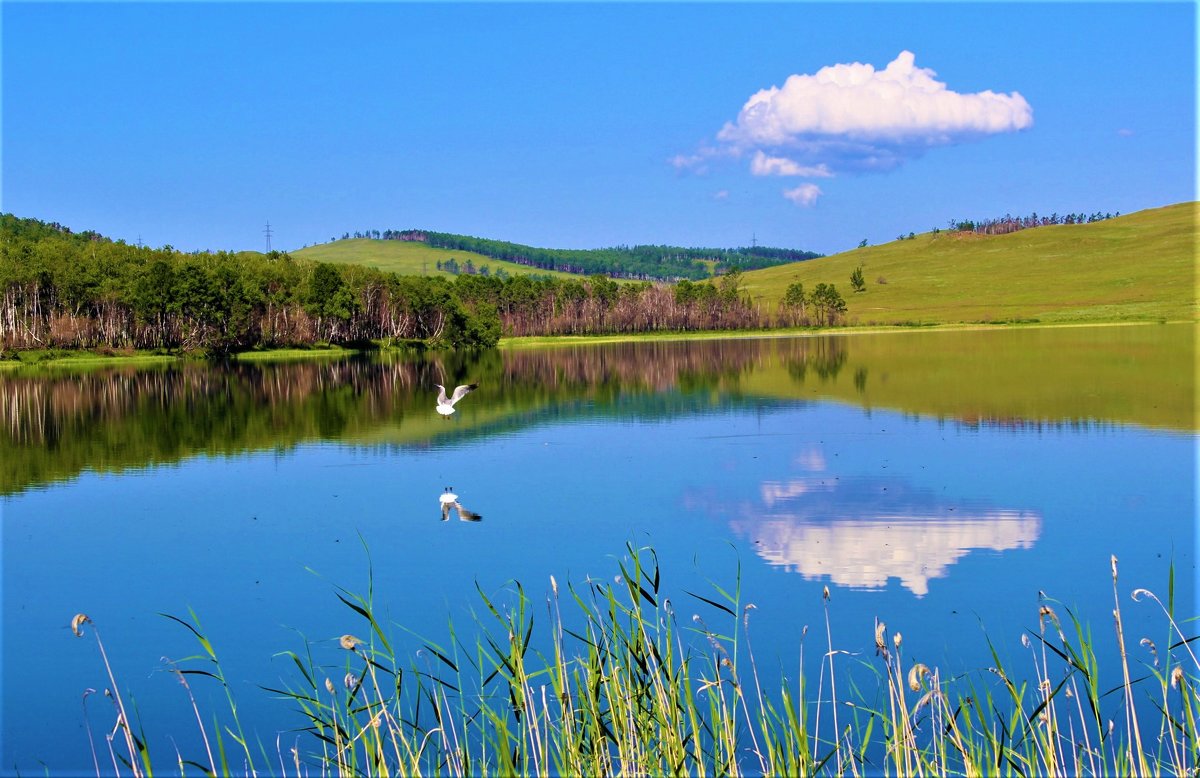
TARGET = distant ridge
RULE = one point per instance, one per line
(642, 262)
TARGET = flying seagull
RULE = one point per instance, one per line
(446, 406)
(449, 500)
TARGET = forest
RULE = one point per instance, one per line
(65, 290)
(664, 263)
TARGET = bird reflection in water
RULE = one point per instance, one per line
(449, 500)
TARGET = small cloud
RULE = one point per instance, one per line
(803, 195)
(764, 165)
(1125, 132)
(689, 163)
(721, 194)
(697, 163)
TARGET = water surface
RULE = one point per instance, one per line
(937, 480)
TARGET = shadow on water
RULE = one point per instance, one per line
(55, 424)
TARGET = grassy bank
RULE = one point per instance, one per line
(1138, 267)
(609, 679)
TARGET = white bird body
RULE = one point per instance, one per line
(445, 405)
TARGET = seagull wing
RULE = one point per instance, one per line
(467, 515)
(460, 392)
(441, 394)
(445, 511)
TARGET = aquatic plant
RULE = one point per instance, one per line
(614, 679)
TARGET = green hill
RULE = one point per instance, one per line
(1139, 267)
(410, 258)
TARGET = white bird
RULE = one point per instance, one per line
(445, 406)
(449, 500)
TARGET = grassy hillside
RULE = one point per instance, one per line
(1139, 267)
(407, 257)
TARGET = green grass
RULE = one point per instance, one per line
(1139, 267)
(292, 354)
(84, 359)
(604, 678)
(409, 258)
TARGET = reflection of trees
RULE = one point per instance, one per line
(823, 356)
(54, 425)
(658, 366)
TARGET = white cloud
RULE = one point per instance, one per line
(689, 163)
(803, 195)
(901, 104)
(849, 118)
(721, 194)
(764, 165)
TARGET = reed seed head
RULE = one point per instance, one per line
(79, 620)
(896, 640)
(1138, 594)
(350, 681)
(554, 586)
(880, 629)
(329, 686)
(348, 642)
(1177, 677)
(1024, 640)
(825, 594)
(915, 674)
(1149, 645)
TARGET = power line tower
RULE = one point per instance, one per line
(754, 240)
(267, 232)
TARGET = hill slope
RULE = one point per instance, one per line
(1139, 267)
(408, 258)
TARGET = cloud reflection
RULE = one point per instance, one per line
(863, 532)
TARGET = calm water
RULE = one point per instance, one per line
(937, 481)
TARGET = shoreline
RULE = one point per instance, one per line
(87, 359)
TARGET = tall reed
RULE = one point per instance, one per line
(612, 678)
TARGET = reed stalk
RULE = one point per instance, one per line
(610, 682)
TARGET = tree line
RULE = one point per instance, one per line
(642, 262)
(1009, 223)
(67, 290)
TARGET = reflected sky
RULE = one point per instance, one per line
(863, 532)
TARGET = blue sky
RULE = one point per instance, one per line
(589, 125)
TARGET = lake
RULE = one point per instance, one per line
(940, 481)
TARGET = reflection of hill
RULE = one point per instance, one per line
(1035, 377)
(861, 532)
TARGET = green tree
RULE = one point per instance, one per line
(827, 303)
(794, 296)
(857, 281)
